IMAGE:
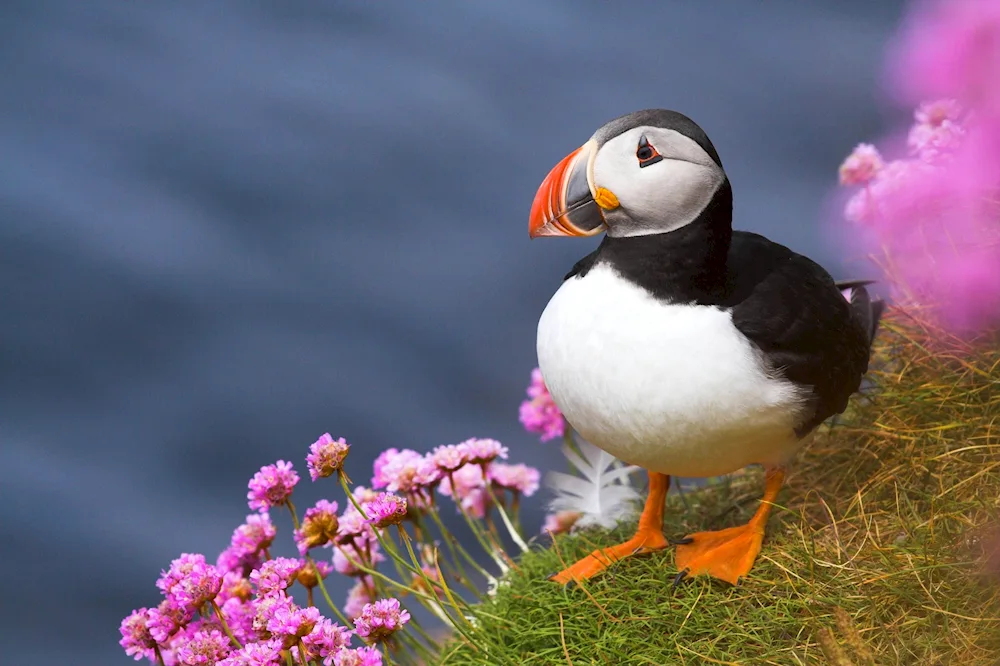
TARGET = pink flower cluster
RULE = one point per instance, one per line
(935, 212)
(240, 611)
(539, 412)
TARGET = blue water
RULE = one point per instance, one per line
(227, 227)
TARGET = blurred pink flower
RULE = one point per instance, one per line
(404, 471)
(484, 451)
(861, 165)
(358, 596)
(520, 478)
(449, 457)
(539, 413)
(469, 489)
(935, 215)
(560, 522)
(949, 48)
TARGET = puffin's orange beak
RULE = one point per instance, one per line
(564, 204)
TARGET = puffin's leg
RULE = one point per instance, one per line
(648, 537)
(728, 554)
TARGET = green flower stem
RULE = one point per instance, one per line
(295, 516)
(427, 600)
(159, 655)
(476, 529)
(288, 658)
(405, 538)
(506, 520)
(385, 649)
(390, 550)
(225, 625)
(455, 545)
(329, 601)
(302, 653)
(422, 530)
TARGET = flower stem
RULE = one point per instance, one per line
(225, 625)
(454, 546)
(159, 655)
(476, 531)
(329, 601)
(506, 520)
(302, 654)
(295, 516)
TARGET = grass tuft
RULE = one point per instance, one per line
(877, 552)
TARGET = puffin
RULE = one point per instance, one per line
(680, 345)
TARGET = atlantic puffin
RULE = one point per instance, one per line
(683, 346)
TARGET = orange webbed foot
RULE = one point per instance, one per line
(645, 541)
(726, 554)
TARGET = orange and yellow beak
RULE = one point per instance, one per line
(565, 203)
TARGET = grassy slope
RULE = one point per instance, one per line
(874, 555)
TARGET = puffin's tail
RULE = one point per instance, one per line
(868, 310)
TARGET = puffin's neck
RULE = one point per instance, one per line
(685, 265)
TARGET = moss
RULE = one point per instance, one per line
(875, 553)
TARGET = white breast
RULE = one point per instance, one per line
(673, 388)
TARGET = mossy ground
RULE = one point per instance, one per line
(875, 554)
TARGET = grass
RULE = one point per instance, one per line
(876, 553)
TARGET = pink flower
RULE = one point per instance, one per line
(520, 478)
(385, 510)
(239, 616)
(272, 485)
(560, 522)
(354, 527)
(937, 129)
(319, 526)
(539, 413)
(263, 653)
(950, 49)
(288, 619)
(247, 544)
(449, 457)
(469, 489)
(861, 165)
(362, 656)
(380, 620)
(483, 451)
(190, 582)
(346, 566)
(310, 573)
(325, 640)
(234, 585)
(404, 471)
(166, 619)
(136, 639)
(207, 647)
(326, 456)
(358, 597)
(274, 576)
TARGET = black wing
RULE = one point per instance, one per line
(792, 310)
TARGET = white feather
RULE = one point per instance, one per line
(603, 495)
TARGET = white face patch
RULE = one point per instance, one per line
(659, 197)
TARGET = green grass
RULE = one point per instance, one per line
(875, 554)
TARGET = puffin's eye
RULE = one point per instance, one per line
(646, 154)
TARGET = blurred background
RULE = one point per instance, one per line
(228, 227)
